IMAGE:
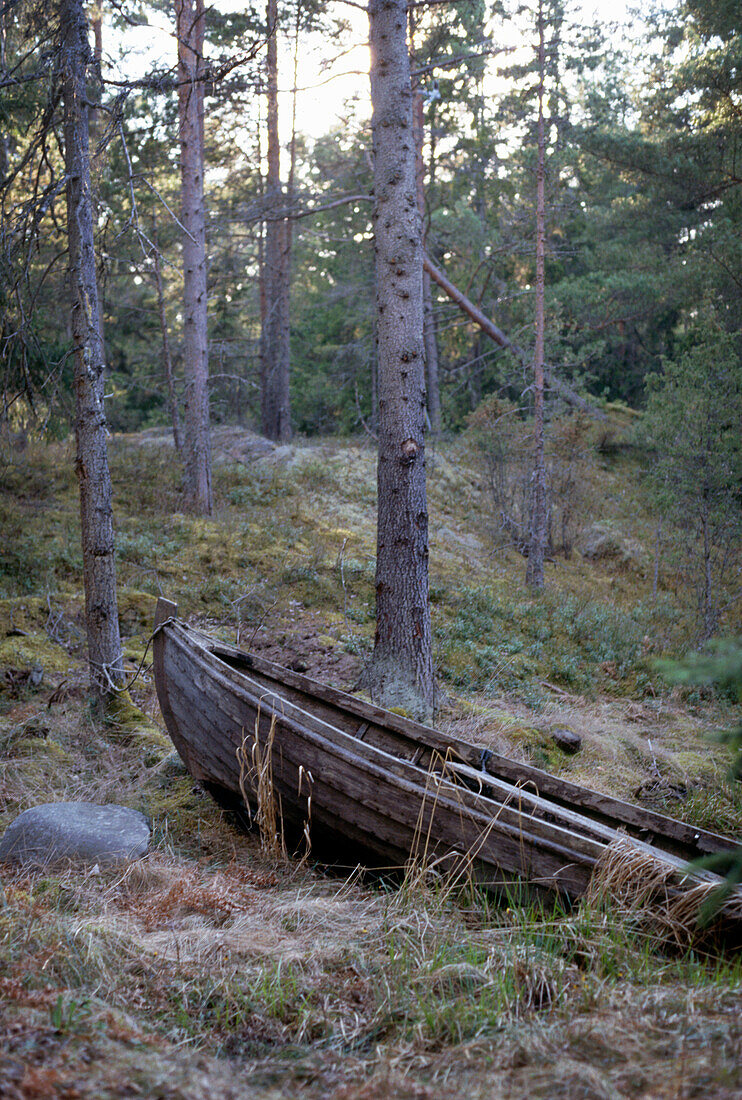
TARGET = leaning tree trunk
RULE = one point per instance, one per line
(91, 462)
(274, 399)
(489, 328)
(190, 31)
(400, 672)
(539, 517)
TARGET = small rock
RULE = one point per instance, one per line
(603, 542)
(566, 738)
(81, 831)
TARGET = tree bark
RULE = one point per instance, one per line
(91, 462)
(96, 19)
(262, 277)
(5, 18)
(167, 359)
(400, 672)
(539, 517)
(708, 611)
(190, 32)
(275, 398)
(432, 384)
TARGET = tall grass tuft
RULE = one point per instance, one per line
(256, 772)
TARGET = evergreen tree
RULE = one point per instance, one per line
(400, 671)
(693, 423)
(197, 444)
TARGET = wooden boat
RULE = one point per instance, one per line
(379, 788)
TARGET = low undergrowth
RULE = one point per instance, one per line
(211, 969)
(209, 957)
(292, 979)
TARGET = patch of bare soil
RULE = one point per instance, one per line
(304, 646)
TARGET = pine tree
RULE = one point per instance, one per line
(275, 382)
(400, 672)
(539, 512)
(197, 444)
(91, 461)
(692, 424)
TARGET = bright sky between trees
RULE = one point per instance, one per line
(330, 80)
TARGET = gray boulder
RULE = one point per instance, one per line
(566, 739)
(80, 831)
(604, 543)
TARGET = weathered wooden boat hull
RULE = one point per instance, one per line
(378, 788)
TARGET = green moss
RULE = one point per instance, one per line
(130, 725)
(46, 746)
(35, 649)
(136, 610)
(23, 613)
(538, 746)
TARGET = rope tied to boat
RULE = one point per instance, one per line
(121, 689)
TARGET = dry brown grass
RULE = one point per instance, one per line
(255, 759)
(659, 897)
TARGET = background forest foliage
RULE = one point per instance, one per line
(643, 211)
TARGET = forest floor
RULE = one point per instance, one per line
(208, 969)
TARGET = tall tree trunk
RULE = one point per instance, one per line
(96, 19)
(539, 517)
(708, 611)
(167, 359)
(657, 556)
(190, 31)
(262, 277)
(275, 400)
(91, 462)
(432, 386)
(400, 672)
(474, 373)
(5, 18)
(97, 124)
(432, 374)
(375, 383)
